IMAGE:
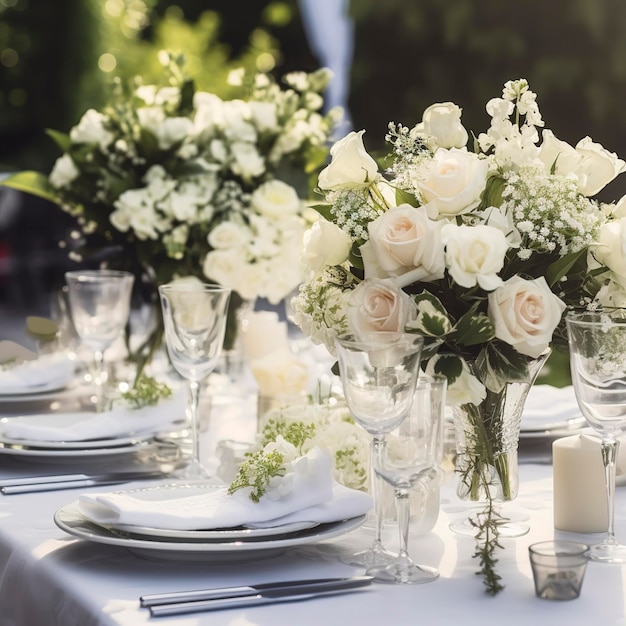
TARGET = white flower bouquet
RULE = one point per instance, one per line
(479, 250)
(184, 183)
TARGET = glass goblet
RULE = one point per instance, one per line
(194, 318)
(411, 459)
(597, 344)
(378, 372)
(99, 305)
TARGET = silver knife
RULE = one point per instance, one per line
(94, 481)
(222, 593)
(286, 594)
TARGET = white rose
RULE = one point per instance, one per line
(280, 372)
(380, 305)
(558, 155)
(248, 163)
(63, 172)
(350, 164)
(454, 181)
(275, 199)
(227, 235)
(598, 167)
(525, 314)
(91, 129)
(325, 244)
(442, 122)
(172, 131)
(612, 295)
(406, 244)
(224, 267)
(474, 254)
(610, 249)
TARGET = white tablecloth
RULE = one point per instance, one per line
(49, 578)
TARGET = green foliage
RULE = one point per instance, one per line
(257, 471)
(147, 391)
(295, 433)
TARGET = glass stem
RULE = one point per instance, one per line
(610, 449)
(194, 398)
(377, 450)
(403, 512)
(99, 379)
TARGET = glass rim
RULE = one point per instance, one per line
(360, 338)
(190, 287)
(551, 548)
(98, 274)
(591, 318)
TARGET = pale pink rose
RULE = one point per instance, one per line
(380, 305)
(525, 314)
(442, 123)
(406, 244)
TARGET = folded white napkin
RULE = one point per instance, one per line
(47, 370)
(547, 405)
(306, 493)
(83, 426)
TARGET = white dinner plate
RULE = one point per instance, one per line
(160, 492)
(33, 391)
(65, 420)
(550, 409)
(69, 519)
(44, 454)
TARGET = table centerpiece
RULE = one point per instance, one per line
(480, 248)
(172, 182)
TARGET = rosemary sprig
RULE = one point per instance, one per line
(257, 471)
(487, 541)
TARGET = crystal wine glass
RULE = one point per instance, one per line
(411, 459)
(99, 304)
(597, 343)
(194, 317)
(378, 372)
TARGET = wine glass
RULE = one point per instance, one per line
(194, 318)
(99, 303)
(378, 373)
(597, 343)
(411, 459)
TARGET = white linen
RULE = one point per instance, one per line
(547, 405)
(308, 493)
(84, 426)
(47, 370)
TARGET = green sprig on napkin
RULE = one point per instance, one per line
(146, 392)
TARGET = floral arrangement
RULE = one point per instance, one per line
(183, 183)
(479, 249)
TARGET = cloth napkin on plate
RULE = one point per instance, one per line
(307, 492)
(47, 370)
(84, 426)
(547, 406)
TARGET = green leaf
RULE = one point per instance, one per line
(61, 139)
(404, 197)
(473, 328)
(448, 365)
(355, 257)
(432, 319)
(499, 363)
(492, 195)
(563, 266)
(33, 183)
(323, 210)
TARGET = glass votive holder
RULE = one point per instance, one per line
(558, 568)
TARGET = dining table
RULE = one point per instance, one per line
(49, 577)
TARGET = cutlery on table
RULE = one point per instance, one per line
(179, 603)
(33, 484)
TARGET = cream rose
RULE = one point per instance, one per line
(92, 129)
(380, 305)
(465, 388)
(454, 181)
(442, 122)
(325, 244)
(557, 155)
(525, 314)
(474, 254)
(598, 167)
(350, 164)
(610, 249)
(406, 244)
(275, 199)
(63, 172)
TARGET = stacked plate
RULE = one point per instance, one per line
(217, 545)
(36, 449)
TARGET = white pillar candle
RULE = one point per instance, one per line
(264, 333)
(579, 487)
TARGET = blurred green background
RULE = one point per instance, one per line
(57, 58)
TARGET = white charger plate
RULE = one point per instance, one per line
(69, 519)
(65, 420)
(43, 454)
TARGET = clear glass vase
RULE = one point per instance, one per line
(487, 437)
